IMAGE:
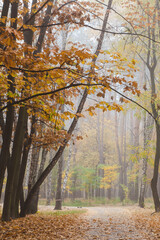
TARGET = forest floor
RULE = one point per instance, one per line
(101, 223)
(123, 223)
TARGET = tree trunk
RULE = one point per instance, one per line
(26, 149)
(100, 125)
(125, 152)
(136, 152)
(32, 179)
(130, 184)
(58, 204)
(67, 171)
(121, 181)
(151, 64)
(49, 189)
(75, 174)
(5, 153)
(7, 133)
(34, 205)
(155, 172)
(109, 192)
(148, 129)
(9, 208)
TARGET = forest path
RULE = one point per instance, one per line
(100, 223)
(112, 223)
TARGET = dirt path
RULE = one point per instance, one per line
(112, 223)
(117, 223)
(101, 223)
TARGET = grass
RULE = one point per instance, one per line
(97, 202)
(85, 202)
(62, 212)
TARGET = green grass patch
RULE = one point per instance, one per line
(91, 202)
(85, 202)
(62, 212)
(96, 202)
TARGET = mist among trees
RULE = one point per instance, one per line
(79, 104)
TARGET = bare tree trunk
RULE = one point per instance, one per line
(5, 153)
(8, 125)
(155, 172)
(136, 152)
(100, 125)
(131, 183)
(74, 177)
(33, 177)
(49, 184)
(67, 171)
(151, 64)
(49, 189)
(58, 205)
(121, 192)
(157, 154)
(9, 209)
(26, 149)
(125, 150)
(148, 129)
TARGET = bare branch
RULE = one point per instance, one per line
(131, 100)
(106, 31)
(34, 71)
(121, 17)
(89, 11)
(46, 93)
(33, 15)
(119, 33)
(73, 86)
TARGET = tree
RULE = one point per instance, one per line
(34, 78)
(149, 55)
(23, 64)
(148, 129)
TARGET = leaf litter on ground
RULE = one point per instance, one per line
(135, 224)
(41, 226)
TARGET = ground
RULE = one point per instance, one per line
(120, 223)
(101, 223)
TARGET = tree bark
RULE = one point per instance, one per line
(151, 64)
(148, 129)
(58, 204)
(100, 149)
(32, 179)
(5, 153)
(7, 129)
(49, 189)
(155, 171)
(136, 152)
(9, 210)
(121, 181)
(26, 149)
(67, 171)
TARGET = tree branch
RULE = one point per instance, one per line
(34, 71)
(121, 17)
(106, 31)
(33, 15)
(73, 86)
(46, 93)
